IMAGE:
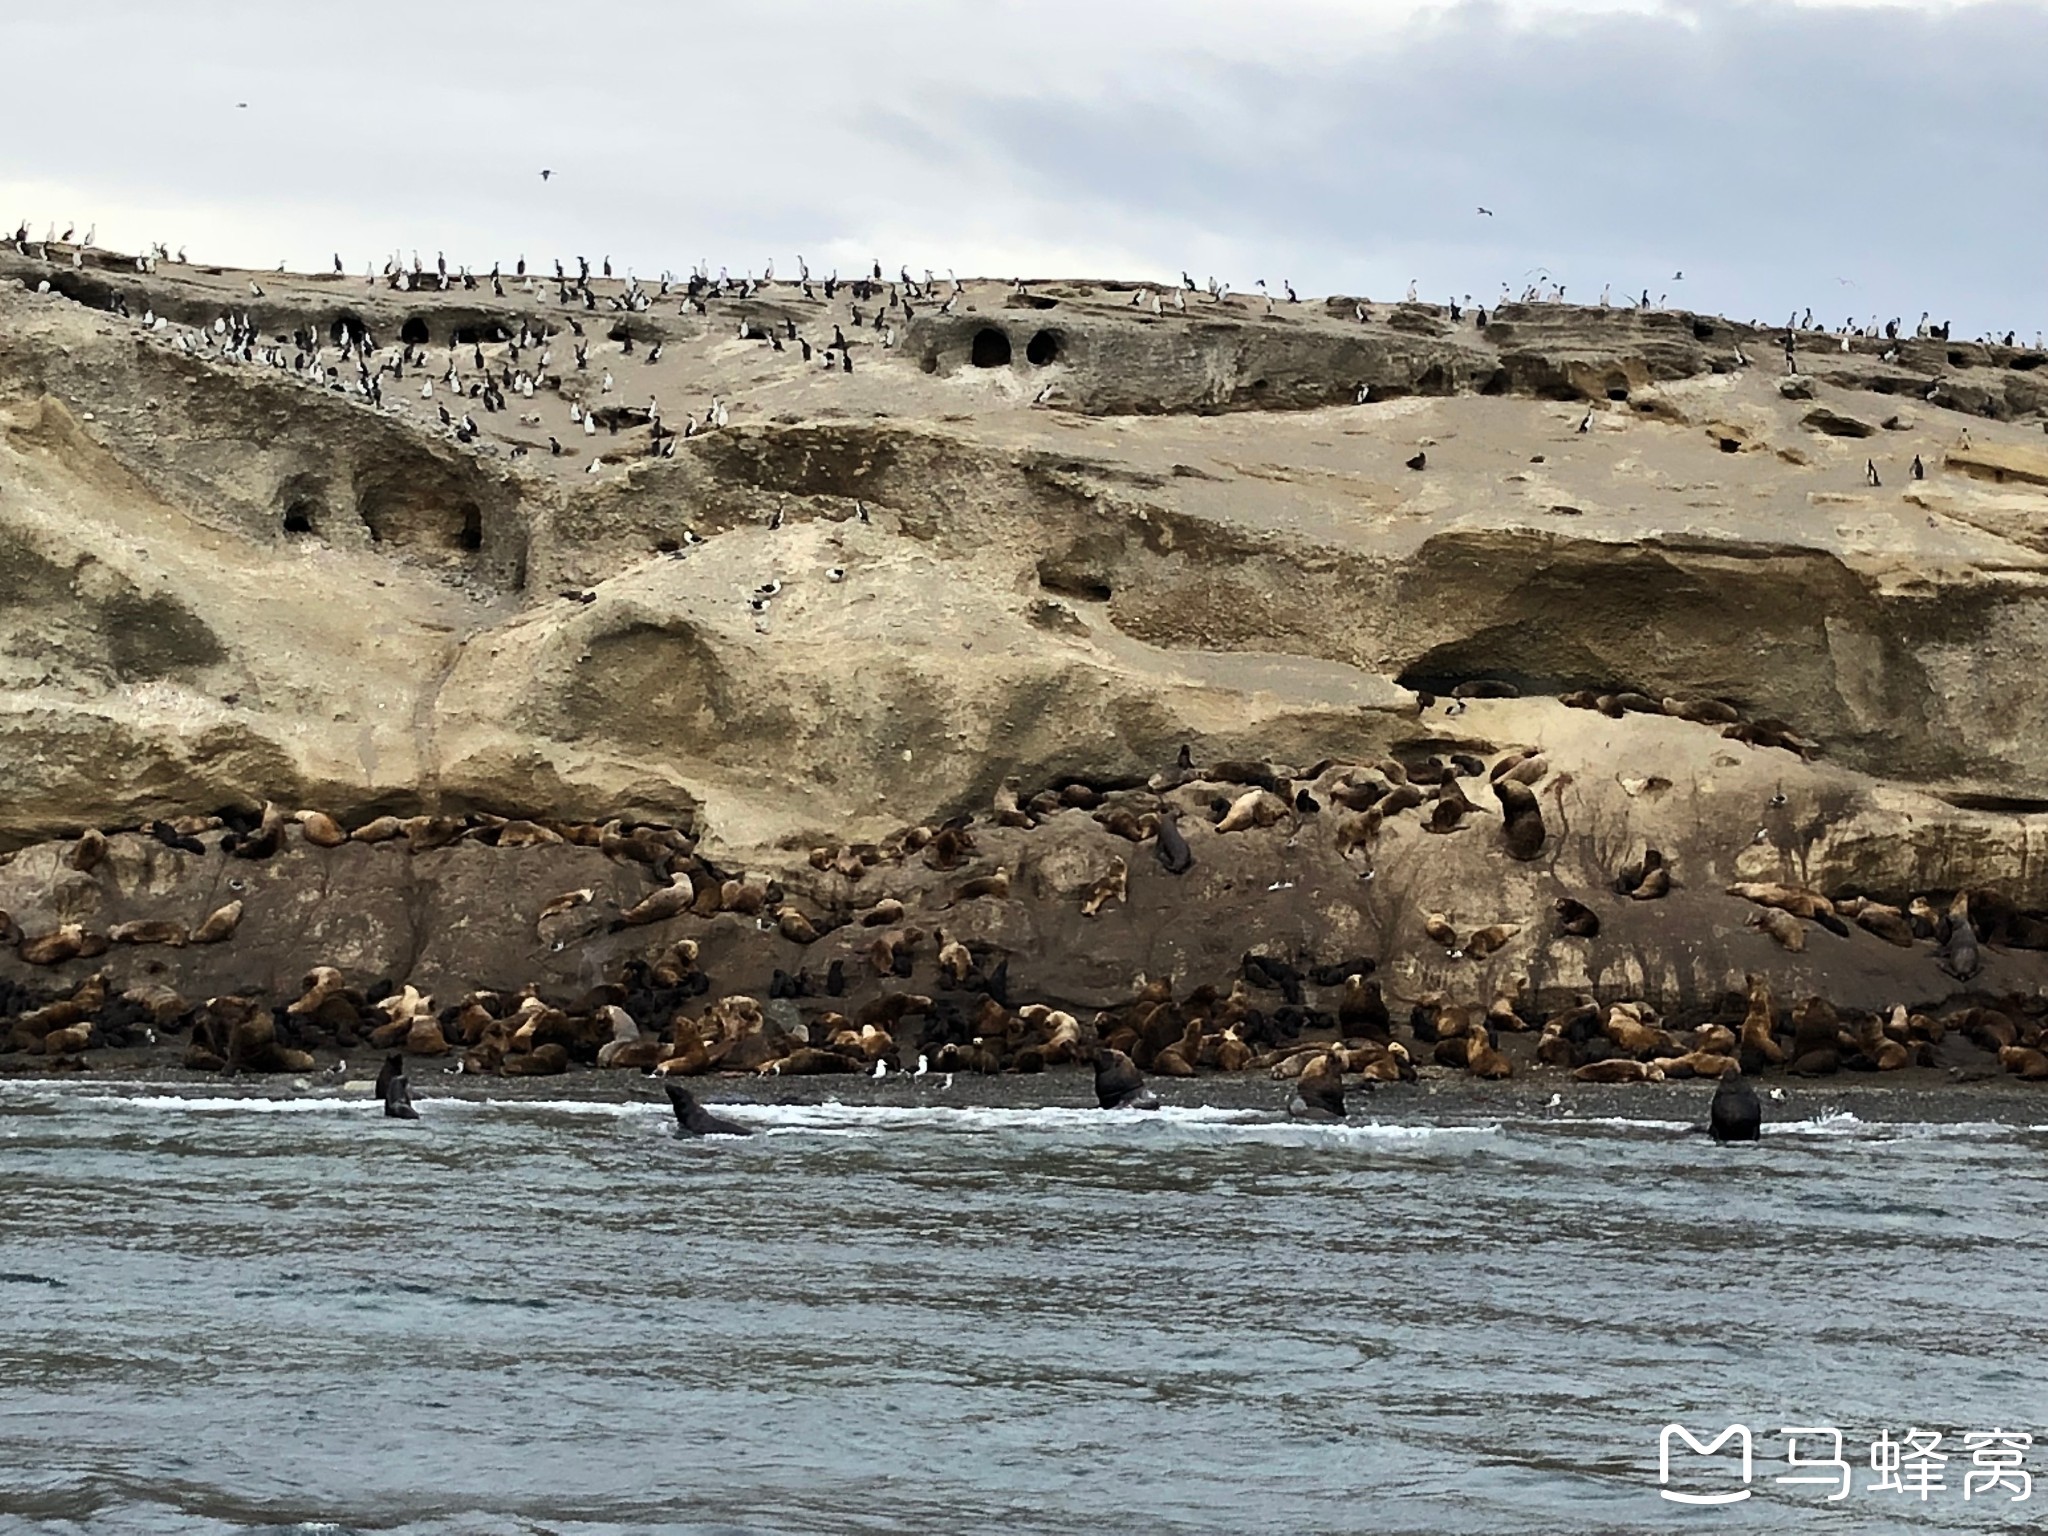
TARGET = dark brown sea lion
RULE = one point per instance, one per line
(394, 1090)
(1735, 1114)
(1119, 1084)
(693, 1119)
(1319, 1092)
(1522, 819)
(1576, 918)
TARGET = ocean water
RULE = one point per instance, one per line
(224, 1314)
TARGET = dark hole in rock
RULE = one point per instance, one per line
(1730, 445)
(618, 332)
(298, 517)
(1617, 392)
(1042, 348)
(465, 336)
(1496, 383)
(2027, 362)
(1560, 392)
(472, 536)
(1258, 386)
(1701, 330)
(414, 332)
(1958, 359)
(991, 348)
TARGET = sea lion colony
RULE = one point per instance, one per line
(872, 985)
(673, 949)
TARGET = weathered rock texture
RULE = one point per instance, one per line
(1043, 538)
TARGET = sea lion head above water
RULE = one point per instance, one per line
(1736, 1114)
(693, 1119)
(1119, 1084)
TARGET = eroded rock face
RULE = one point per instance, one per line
(832, 605)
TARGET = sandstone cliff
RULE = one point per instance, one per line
(1042, 538)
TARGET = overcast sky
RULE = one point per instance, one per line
(1859, 158)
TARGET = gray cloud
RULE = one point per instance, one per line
(1769, 151)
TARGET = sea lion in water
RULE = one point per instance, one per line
(394, 1090)
(1119, 1084)
(693, 1119)
(1735, 1114)
(1319, 1091)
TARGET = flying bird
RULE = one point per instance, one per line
(544, 175)
(1487, 211)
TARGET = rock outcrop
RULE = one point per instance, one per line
(1039, 538)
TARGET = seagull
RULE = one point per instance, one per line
(1487, 211)
(881, 1070)
(544, 175)
(923, 1066)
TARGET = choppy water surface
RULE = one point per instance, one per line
(219, 1315)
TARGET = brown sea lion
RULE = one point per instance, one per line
(1735, 1114)
(220, 923)
(694, 1120)
(149, 931)
(658, 906)
(996, 885)
(1522, 830)
(1576, 918)
(1888, 923)
(1490, 938)
(1363, 1011)
(791, 923)
(88, 851)
(320, 829)
(1781, 926)
(1119, 1084)
(1647, 879)
(1794, 899)
(1319, 1091)
(1111, 887)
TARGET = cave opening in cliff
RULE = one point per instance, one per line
(1042, 348)
(414, 332)
(991, 348)
(471, 537)
(298, 517)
